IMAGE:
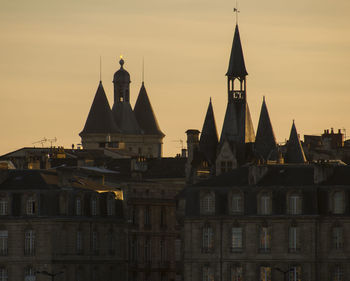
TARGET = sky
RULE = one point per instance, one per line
(297, 54)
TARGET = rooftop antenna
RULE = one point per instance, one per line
(143, 69)
(100, 69)
(235, 10)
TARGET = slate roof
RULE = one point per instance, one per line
(125, 118)
(208, 141)
(295, 152)
(100, 118)
(145, 115)
(236, 67)
(265, 141)
(238, 125)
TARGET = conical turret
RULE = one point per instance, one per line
(295, 152)
(100, 118)
(145, 115)
(265, 141)
(209, 137)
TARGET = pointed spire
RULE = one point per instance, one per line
(236, 67)
(295, 152)
(265, 142)
(100, 118)
(209, 137)
(145, 115)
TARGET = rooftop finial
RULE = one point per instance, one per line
(143, 69)
(121, 62)
(236, 11)
(100, 69)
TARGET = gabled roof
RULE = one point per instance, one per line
(145, 115)
(125, 119)
(295, 152)
(209, 137)
(100, 118)
(265, 141)
(238, 125)
(236, 66)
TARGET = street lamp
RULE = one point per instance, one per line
(285, 272)
(53, 275)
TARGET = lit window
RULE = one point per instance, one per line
(265, 239)
(207, 204)
(208, 274)
(30, 208)
(207, 238)
(338, 274)
(295, 273)
(94, 206)
(29, 274)
(338, 237)
(3, 274)
(338, 202)
(3, 242)
(293, 239)
(29, 243)
(79, 242)
(236, 238)
(265, 204)
(3, 207)
(294, 204)
(265, 273)
(78, 206)
(236, 273)
(236, 203)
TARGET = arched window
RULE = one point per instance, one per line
(338, 202)
(337, 237)
(31, 206)
(79, 242)
(338, 274)
(29, 274)
(29, 243)
(236, 238)
(236, 203)
(295, 273)
(94, 206)
(3, 242)
(3, 274)
(265, 273)
(265, 239)
(236, 273)
(207, 204)
(294, 204)
(208, 273)
(3, 206)
(294, 237)
(207, 239)
(265, 204)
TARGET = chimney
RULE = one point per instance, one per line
(184, 153)
(192, 142)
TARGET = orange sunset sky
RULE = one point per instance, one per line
(297, 54)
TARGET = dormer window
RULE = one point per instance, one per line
(265, 203)
(31, 206)
(3, 206)
(237, 203)
(94, 206)
(207, 204)
(338, 202)
(294, 204)
(78, 209)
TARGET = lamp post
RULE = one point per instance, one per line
(52, 275)
(285, 272)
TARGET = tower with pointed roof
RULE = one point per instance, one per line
(131, 132)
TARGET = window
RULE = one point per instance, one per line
(226, 166)
(236, 239)
(3, 242)
(295, 273)
(94, 241)
(79, 242)
(3, 207)
(147, 216)
(265, 239)
(338, 202)
(162, 250)
(236, 203)
(30, 207)
(29, 243)
(207, 238)
(111, 244)
(94, 206)
(293, 239)
(337, 237)
(163, 217)
(110, 205)
(177, 250)
(78, 206)
(134, 217)
(265, 273)
(29, 274)
(337, 274)
(133, 249)
(265, 204)
(147, 250)
(207, 204)
(208, 274)
(294, 204)
(236, 273)
(3, 274)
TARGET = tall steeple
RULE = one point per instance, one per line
(295, 152)
(100, 119)
(265, 142)
(209, 137)
(238, 126)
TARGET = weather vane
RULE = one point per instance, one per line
(235, 10)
